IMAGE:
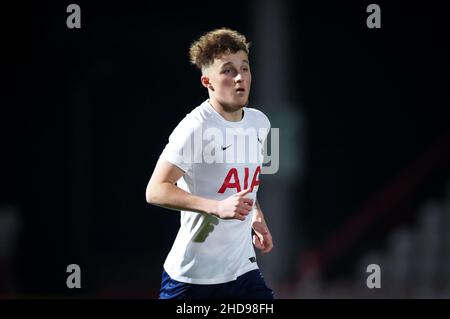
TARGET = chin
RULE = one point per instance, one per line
(235, 104)
(239, 105)
(241, 102)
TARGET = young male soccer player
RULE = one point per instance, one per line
(213, 254)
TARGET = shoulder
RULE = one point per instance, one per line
(198, 116)
(193, 120)
(258, 116)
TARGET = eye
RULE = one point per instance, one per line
(245, 69)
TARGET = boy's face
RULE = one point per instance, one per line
(228, 80)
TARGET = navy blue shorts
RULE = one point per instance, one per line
(250, 285)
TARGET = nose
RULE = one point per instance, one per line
(238, 78)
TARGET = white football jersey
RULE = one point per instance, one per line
(220, 158)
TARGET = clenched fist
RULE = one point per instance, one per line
(236, 206)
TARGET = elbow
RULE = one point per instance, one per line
(151, 196)
(157, 194)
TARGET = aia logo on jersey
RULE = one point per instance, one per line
(232, 180)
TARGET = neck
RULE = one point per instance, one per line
(227, 112)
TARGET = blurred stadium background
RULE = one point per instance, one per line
(364, 157)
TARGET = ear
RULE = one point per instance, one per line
(205, 82)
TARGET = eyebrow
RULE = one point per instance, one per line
(229, 62)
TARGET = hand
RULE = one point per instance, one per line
(262, 239)
(235, 206)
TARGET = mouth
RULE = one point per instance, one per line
(240, 90)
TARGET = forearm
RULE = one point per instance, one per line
(262, 239)
(170, 196)
(258, 214)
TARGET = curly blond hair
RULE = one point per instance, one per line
(216, 43)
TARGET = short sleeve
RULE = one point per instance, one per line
(266, 125)
(180, 149)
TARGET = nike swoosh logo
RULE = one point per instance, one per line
(225, 147)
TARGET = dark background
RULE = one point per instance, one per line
(86, 113)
